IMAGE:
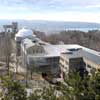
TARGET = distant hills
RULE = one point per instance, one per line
(52, 26)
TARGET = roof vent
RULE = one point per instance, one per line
(74, 49)
(67, 52)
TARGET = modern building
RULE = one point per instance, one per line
(54, 59)
(82, 59)
(72, 61)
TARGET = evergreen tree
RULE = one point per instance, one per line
(12, 90)
(77, 88)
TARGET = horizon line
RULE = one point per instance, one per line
(51, 20)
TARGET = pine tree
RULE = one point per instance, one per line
(12, 90)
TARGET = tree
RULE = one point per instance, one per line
(49, 93)
(77, 88)
(8, 49)
(12, 90)
(72, 87)
(44, 94)
(35, 96)
(95, 84)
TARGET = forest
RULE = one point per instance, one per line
(90, 39)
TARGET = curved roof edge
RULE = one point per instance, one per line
(24, 32)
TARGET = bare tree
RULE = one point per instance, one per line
(8, 50)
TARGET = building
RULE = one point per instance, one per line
(82, 59)
(20, 36)
(72, 60)
(13, 28)
(54, 59)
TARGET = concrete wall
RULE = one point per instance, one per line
(91, 66)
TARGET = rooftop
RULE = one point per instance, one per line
(91, 56)
(86, 53)
(55, 50)
(72, 54)
(69, 50)
(25, 32)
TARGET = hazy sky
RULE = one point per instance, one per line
(62, 10)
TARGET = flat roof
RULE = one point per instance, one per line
(91, 56)
(55, 50)
(86, 53)
(27, 43)
(72, 55)
(70, 50)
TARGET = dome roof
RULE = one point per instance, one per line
(25, 33)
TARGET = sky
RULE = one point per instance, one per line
(57, 10)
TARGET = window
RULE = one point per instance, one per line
(61, 65)
(88, 66)
(62, 59)
(66, 62)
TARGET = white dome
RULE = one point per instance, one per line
(25, 33)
